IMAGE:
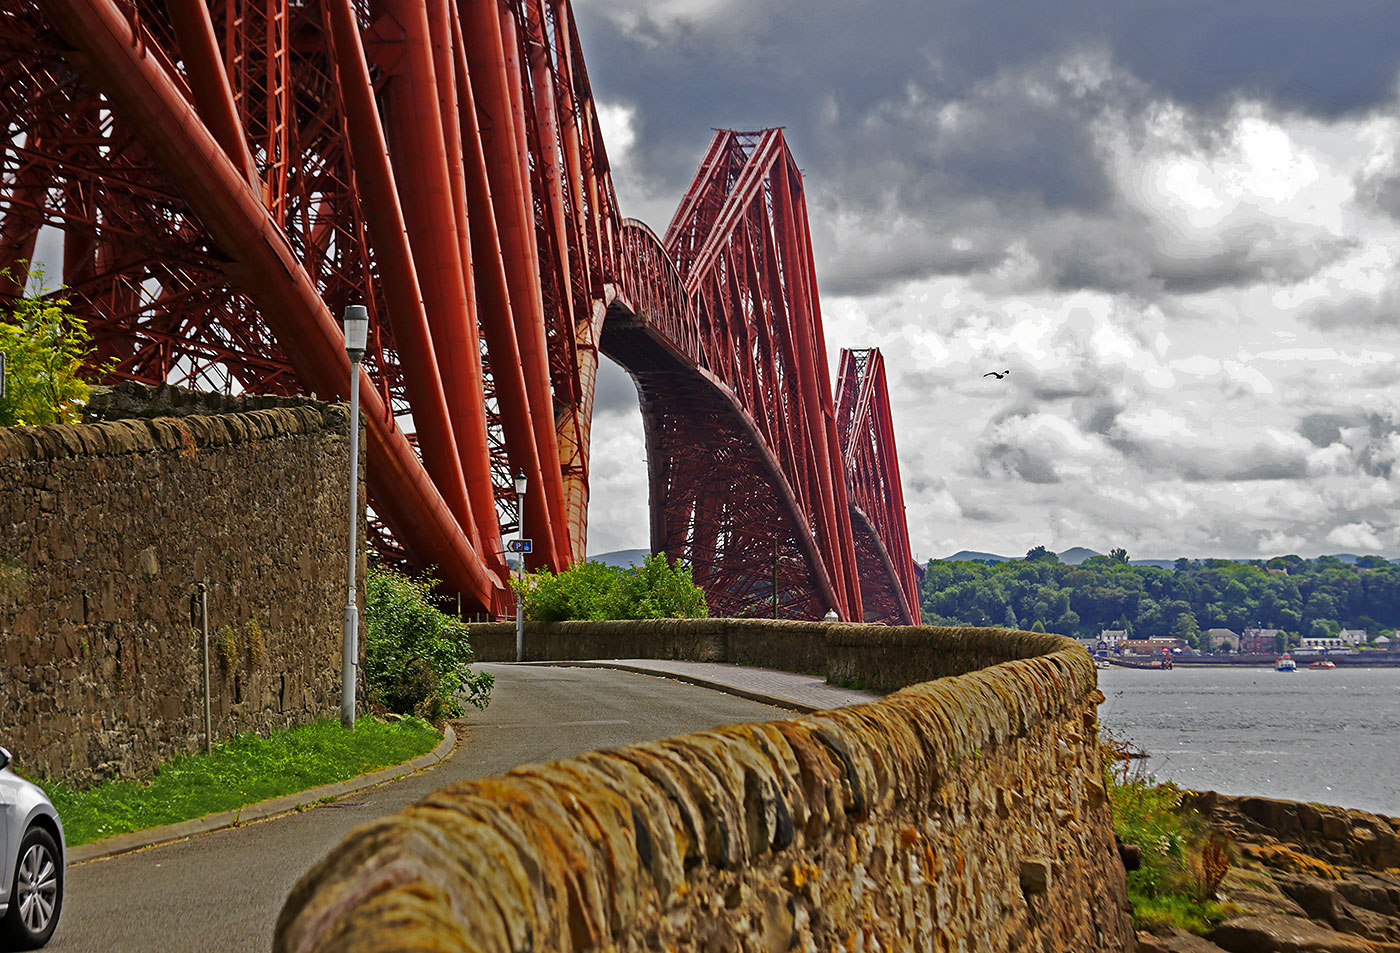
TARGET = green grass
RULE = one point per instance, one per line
(242, 770)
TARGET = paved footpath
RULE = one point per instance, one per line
(765, 685)
(221, 891)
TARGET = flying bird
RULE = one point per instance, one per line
(996, 375)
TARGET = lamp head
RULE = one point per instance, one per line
(520, 484)
(831, 616)
(356, 331)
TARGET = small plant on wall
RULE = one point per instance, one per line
(253, 642)
(226, 648)
(46, 349)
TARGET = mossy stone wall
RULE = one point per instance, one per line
(105, 529)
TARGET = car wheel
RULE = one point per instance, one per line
(36, 896)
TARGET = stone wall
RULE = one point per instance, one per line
(963, 813)
(782, 644)
(105, 529)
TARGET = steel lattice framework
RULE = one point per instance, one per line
(228, 175)
(889, 578)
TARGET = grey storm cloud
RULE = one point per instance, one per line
(614, 391)
(1357, 310)
(1019, 462)
(963, 116)
(1380, 188)
(1322, 430)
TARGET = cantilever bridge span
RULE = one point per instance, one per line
(227, 175)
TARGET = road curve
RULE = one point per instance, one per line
(221, 892)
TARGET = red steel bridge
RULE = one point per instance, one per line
(228, 175)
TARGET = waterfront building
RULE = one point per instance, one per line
(1258, 641)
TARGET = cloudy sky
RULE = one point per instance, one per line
(1176, 221)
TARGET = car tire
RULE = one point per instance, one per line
(36, 896)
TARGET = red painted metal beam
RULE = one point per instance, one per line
(494, 71)
(262, 263)
(399, 274)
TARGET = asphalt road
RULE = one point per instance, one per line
(222, 891)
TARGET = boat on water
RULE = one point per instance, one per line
(1324, 663)
(1285, 663)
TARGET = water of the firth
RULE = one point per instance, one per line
(1331, 736)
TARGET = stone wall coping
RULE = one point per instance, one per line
(145, 435)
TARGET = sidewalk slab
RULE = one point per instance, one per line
(152, 836)
(800, 693)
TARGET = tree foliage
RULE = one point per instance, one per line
(416, 656)
(596, 592)
(1106, 592)
(45, 349)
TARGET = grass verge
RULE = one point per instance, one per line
(1183, 862)
(243, 770)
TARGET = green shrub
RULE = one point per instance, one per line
(595, 592)
(658, 590)
(586, 591)
(45, 348)
(415, 655)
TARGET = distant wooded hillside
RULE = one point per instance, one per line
(1301, 596)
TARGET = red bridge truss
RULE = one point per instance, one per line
(228, 176)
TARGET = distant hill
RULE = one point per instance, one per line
(1076, 555)
(968, 556)
(622, 558)
(1073, 556)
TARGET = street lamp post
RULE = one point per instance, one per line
(520, 485)
(356, 331)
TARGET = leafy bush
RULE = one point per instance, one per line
(415, 655)
(45, 348)
(596, 592)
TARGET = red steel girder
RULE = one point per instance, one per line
(228, 175)
(734, 293)
(219, 171)
(889, 576)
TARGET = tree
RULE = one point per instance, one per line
(1041, 554)
(45, 348)
(1323, 629)
(1118, 555)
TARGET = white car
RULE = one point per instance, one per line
(31, 862)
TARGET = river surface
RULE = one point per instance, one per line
(1331, 736)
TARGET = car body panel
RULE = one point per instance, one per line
(21, 805)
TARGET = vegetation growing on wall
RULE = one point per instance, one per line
(416, 656)
(595, 592)
(1182, 862)
(45, 348)
(1105, 592)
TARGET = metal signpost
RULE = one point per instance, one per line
(521, 546)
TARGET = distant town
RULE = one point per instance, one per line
(1345, 608)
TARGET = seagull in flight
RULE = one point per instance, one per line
(998, 376)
